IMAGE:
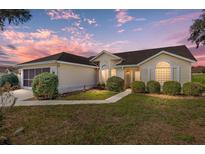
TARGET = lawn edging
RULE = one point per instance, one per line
(112, 99)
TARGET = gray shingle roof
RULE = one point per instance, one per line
(135, 57)
(129, 58)
(65, 57)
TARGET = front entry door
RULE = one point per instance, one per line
(127, 79)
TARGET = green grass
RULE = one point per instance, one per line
(199, 78)
(92, 94)
(136, 119)
(185, 138)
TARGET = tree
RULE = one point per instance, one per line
(15, 17)
(197, 30)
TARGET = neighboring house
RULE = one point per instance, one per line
(6, 70)
(77, 72)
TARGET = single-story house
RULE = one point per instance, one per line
(77, 72)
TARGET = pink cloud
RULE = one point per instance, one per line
(178, 38)
(137, 29)
(200, 62)
(140, 19)
(178, 19)
(121, 30)
(41, 43)
(199, 54)
(123, 17)
(115, 45)
(62, 14)
(41, 34)
(29, 46)
(90, 21)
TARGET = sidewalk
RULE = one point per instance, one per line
(112, 99)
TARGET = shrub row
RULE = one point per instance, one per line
(169, 88)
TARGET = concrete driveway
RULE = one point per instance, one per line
(23, 94)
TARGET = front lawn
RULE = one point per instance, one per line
(93, 94)
(136, 119)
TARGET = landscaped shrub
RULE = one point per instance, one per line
(138, 87)
(172, 88)
(193, 89)
(101, 86)
(12, 79)
(45, 86)
(153, 87)
(115, 83)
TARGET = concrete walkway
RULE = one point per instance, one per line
(112, 99)
(22, 94)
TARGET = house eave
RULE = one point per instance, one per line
(53, 61)
(76, 64)
(36, 63)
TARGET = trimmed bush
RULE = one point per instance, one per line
(45, 86)
(115, 83)
(193, 89)
(153, 87)
(138, 87)
(12, 79)
(172, 88)
(101, 86)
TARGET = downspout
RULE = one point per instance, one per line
(57, 64)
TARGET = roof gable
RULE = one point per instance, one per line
(105, 52)
(136, 57)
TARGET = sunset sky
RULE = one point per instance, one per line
(87, 32)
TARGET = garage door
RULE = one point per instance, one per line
(29, 74)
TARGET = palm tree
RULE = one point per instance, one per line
(15, 17)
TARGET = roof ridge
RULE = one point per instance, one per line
(74, 54)
(60, 55)
(151, 49)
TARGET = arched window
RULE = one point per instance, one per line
(163, 72)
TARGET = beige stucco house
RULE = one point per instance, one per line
(77, 72)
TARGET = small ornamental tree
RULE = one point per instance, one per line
(45, 86)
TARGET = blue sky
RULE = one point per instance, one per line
(87, 32)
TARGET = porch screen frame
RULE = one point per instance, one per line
(29, 74)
